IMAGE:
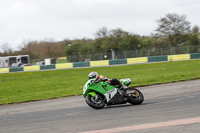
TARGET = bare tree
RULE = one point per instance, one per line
(173, 26)
(102, 33)
(6, 49)
(118, 32)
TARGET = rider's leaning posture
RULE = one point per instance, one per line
(112, 81)
(99, 91)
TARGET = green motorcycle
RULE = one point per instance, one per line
(101, 94)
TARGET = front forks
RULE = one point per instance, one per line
(96, 98)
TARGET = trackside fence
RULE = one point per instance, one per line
(140, 52)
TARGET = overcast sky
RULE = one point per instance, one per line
(23, 20)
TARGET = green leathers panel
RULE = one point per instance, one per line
(101, 87)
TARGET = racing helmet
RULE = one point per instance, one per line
(93, 75)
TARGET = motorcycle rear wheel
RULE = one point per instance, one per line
(138, 98)
(95, 103)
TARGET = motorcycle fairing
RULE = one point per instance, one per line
(109, 95)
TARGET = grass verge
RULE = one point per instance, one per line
(40, 85)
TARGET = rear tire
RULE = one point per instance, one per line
(96, 104)
(138, 99)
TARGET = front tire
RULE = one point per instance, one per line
(138, 97)
(95, 103)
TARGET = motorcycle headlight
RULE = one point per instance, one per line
(84, 89)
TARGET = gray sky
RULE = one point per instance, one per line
(24, 20)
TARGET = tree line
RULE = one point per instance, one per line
(173, 30)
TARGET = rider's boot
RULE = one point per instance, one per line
(121, 92)
(123, 87)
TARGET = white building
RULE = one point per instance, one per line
(14, 61)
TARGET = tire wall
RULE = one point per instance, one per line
(103, 63)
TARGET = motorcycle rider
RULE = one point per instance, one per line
(112, 81)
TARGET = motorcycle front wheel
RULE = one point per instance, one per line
(96, 102)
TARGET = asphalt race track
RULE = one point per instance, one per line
(173, 107)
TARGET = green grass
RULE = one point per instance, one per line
(30, 86)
